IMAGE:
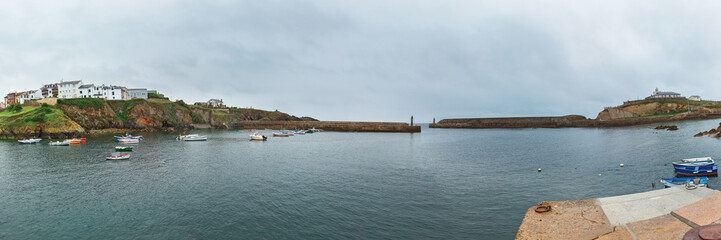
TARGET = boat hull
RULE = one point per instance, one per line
(703, 170)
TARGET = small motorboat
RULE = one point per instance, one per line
(117, 156)
(129, 140)
(687, 182)
(29, 141)
(124, 148)
(705, 166)
(128, 136)
(192, 138)
(59, 143)
(76, 141)
(278, 134)
(258, 137)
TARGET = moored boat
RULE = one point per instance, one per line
(124, 148)
(129, 140)
(280, 134)
(128, 136)
(192, 138)
(705, 166)
(76, 141)
(117, 156)
(688, 182)
(59, 143)
(29, 141)
(258, 137)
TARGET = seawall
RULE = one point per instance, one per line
(329, 126)
(564, 121)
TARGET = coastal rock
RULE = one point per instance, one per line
(669, 128)
(699, 134)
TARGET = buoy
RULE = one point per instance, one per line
(599, 174)
(621, 165)
(539, 169)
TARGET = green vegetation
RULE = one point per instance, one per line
(122, 108)
(8, 113)
(32, 117)
(15, 107)
(155, 95)
(83, 102)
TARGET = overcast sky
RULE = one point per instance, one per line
(372, 60)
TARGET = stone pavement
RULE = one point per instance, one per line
(660, 214)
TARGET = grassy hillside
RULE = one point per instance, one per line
(45, 119)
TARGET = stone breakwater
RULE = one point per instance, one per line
(328, 126)
(564, 121)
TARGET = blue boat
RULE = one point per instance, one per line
(696, 167)
(689, 182)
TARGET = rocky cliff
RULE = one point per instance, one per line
(649, 108)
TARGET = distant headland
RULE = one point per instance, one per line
(71, 108)
(659, 107)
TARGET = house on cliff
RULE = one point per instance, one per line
(664, 95)
(69, 89)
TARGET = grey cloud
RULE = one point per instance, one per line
(372, 60)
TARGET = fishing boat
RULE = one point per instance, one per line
(258, 137)
(300, 132)
(124, 148)
(688, 182)
(696, 167)
(29, 141)
(117, 156)
(128, 136)
(280, 134)
(59, 143)
(129, 140)
(76, 141)
(192, 138)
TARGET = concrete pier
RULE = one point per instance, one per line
(660, 214)
(328, 126)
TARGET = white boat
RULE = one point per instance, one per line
(128, 136)
(59, 143)
(117, 156)
(29, 141)
(192, 138)
(129, 140)
(258, 137)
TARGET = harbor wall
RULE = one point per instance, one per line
(329, 126)
(564, 121)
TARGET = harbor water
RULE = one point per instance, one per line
(438, 184)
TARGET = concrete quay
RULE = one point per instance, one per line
(660, 214)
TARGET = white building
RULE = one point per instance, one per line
(663, 95)
(69, 89)
(694, 98)
(215, 103)
(138, 93)
(115, 92)
(29, 95)
(105, 92)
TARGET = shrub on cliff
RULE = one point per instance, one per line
(155, 95)
(15, 107)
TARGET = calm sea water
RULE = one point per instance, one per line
(441, 183)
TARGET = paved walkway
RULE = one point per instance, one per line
(660, 214)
